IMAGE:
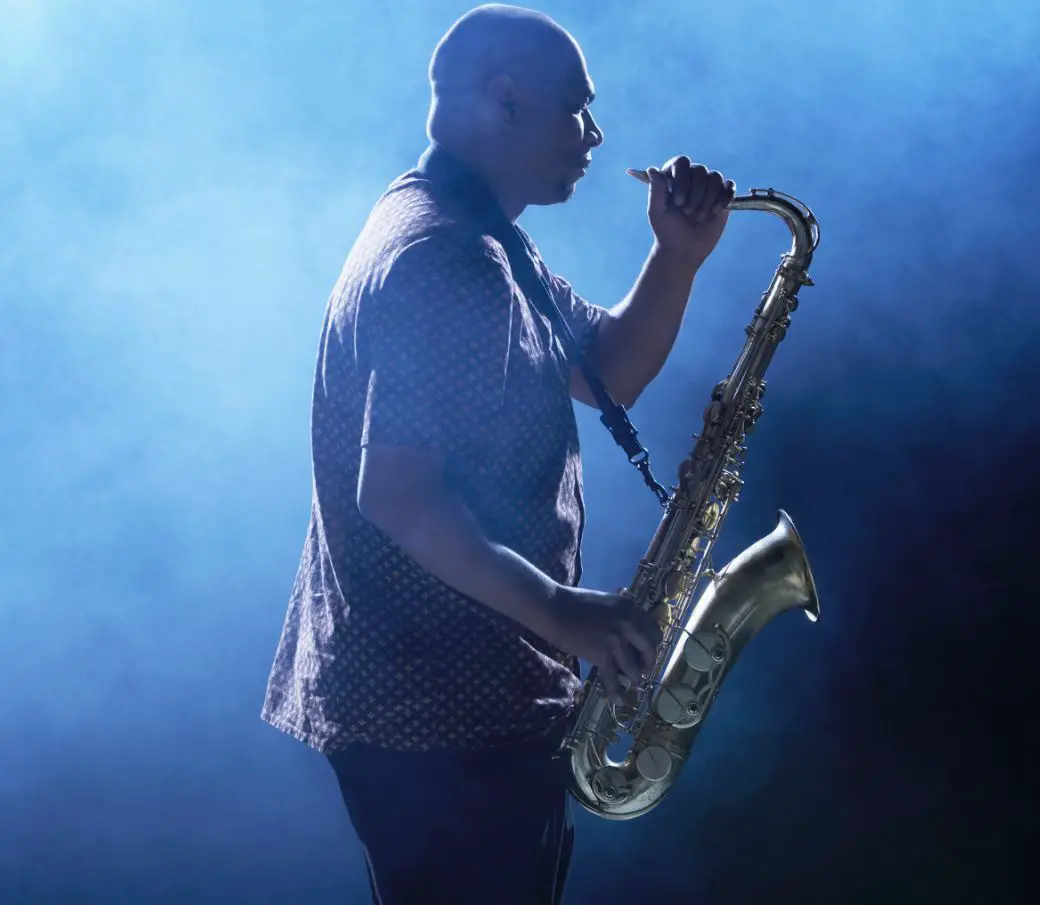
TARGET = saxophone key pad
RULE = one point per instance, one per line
(680, 706)
(654, 763)
(610, 784)
(703, 651)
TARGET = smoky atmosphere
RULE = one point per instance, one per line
(180, 184)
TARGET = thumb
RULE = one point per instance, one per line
(658, 191)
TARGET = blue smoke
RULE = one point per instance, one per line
(179, 185)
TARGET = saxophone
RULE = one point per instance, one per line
(659, 719)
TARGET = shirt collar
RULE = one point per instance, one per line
(441, 167)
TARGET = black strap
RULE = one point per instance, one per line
(443, 167)
(615, 418)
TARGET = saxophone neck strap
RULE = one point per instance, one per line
(441, 167)
(613, 415)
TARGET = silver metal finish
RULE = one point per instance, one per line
(703, 632)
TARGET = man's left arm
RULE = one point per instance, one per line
(687, 212)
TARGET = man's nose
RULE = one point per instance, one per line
(593, 131)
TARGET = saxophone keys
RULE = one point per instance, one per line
(611, 785)
(654, 763)
(710, 517)
(679, 706)
(662, 614)
(704, 650)
(675, 583)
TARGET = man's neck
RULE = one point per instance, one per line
(485, 163)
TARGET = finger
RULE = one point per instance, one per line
(678, 169)
(714, 186)
(625, 660)
(607, 672)
(698, 185)
(648, 627)
(631, 611)
(729, 192)
(642, 641)
(658, 190)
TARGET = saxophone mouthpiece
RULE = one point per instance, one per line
(641, 175)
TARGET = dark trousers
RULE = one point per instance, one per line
(440, 827)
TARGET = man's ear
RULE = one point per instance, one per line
(502, 91)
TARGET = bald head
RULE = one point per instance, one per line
(496, 39)
(510, 92)
(496, 45)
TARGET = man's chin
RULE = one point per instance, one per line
(563, 192)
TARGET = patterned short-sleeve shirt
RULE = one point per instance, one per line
(429, 341)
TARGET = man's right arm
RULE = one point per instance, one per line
(401, 492)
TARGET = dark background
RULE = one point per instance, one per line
(179, 186)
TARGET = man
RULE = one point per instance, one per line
(430, 647)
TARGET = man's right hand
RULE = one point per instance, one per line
(607, 630)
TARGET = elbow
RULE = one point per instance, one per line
(395, 521)
(626, 382)
(620, 395)
(630, 390)
(373, 512)
(380, 511)
(625, 399)
(627, 394)
(395, 488)
(623, 392)
(394, 485)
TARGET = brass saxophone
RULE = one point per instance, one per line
(702, 635)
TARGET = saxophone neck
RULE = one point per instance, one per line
(800, 220)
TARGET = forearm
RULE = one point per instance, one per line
(441, 534)
(635, 339)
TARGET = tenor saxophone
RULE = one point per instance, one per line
(625, 758)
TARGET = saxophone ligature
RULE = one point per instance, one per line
(625, 758)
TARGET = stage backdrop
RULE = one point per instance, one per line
(179, 185)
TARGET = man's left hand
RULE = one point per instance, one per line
(687, 208)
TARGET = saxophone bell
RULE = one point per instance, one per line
(764, 580)
(767, 578)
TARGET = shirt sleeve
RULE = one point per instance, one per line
(582, 316)
(435, 340)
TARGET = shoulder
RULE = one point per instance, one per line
(436, 248)
(414, 231)
(449, 280)
(420, 260)
(455, 252)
